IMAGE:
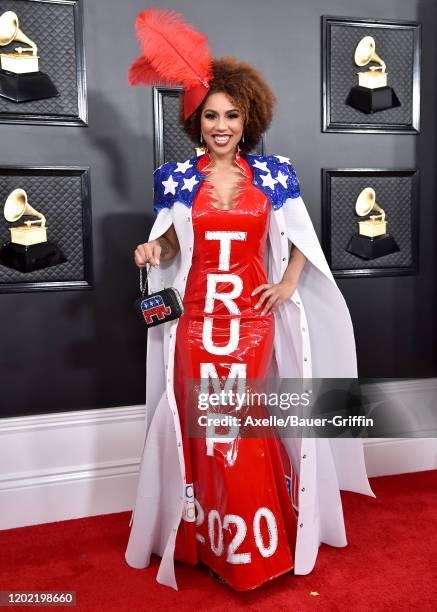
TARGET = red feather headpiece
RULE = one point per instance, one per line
(173, 53)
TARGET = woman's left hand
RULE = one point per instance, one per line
(275, 294)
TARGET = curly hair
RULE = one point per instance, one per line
(248, 90)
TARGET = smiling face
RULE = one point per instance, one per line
(221, 124)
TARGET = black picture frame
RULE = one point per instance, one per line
(165, 113)
(82, 253)
(358, 122)
(71, 107)
(330, 238)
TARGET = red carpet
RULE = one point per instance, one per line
(390, 562)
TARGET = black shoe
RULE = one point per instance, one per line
(216, 576)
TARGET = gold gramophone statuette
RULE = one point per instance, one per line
(29, 249)
(375, 225)
(365, 53)
(372, 94)
(22, 59)
(31, 232)
(371, 240)
(20, 78)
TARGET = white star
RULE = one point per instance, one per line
(170, 185)
(183, 167)
(268, 180)
(261, 166)
(189, 183)
(282, 178)
(283, 160)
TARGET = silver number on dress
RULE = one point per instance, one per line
(265, 551)
(200, 517)
(232, 556)
(213, 518)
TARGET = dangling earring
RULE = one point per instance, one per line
(240, 143)
(200, 150)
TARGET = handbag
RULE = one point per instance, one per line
(158, 307)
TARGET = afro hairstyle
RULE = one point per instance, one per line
(248, 90)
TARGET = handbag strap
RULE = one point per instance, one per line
(143, 283)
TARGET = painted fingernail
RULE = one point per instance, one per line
(256, 306)
(157, 262)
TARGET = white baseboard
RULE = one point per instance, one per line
(388, 456)
(385, 456)
(69, 465)
(74, 464)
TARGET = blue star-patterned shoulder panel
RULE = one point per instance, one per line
(274, 175)
(176, 182)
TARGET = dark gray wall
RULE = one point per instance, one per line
(85, 349)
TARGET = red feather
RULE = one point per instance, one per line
(172, 48)
(140, 71)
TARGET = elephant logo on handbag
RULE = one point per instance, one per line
(154, 307)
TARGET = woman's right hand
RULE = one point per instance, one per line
(148, 252)
(165, 248)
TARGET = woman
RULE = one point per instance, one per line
(226, 222)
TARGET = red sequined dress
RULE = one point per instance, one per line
(238, 518)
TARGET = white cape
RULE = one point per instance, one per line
(313, 338)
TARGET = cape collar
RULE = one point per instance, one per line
(274, 175)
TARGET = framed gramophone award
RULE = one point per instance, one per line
(370, 75)
(370, 221)
(42, 66)
(45, 229)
